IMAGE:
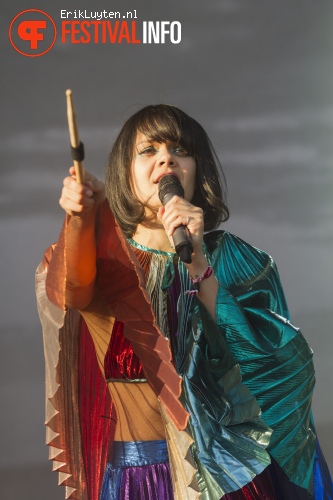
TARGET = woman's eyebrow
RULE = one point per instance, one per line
(152, 141)
(147, 141)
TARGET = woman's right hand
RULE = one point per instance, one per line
(80, 199)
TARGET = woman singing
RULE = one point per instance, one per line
(171, 379)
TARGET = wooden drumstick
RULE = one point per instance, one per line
(75, 140)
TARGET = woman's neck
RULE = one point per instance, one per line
(153, 237)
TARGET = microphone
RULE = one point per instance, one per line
(169, 186)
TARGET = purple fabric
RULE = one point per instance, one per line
(173, 295)
(150, 482)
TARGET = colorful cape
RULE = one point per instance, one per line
(252, 337)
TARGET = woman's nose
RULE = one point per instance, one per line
(166, 158)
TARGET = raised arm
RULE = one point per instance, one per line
(80, 202)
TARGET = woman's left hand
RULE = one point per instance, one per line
(179, 211)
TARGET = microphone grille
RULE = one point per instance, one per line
(169, 184)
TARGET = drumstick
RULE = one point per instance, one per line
(77, 146)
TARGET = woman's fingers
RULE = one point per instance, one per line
(79, 198)
(179, 212)
(72, 201)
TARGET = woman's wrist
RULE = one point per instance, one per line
(203, 282)
(198, 265)
(196, 282)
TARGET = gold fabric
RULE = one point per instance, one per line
(181, 463)
(62, 412)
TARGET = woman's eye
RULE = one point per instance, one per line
(181, 151)
(151, 150)
(147, 151)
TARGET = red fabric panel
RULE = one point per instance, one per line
(120, 361)
(260, 488)
(97, 414)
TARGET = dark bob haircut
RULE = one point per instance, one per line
(162, 123)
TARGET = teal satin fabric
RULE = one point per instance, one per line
(251, 360)
(230, 437)
(275, 360)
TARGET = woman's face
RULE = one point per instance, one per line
(152, 160)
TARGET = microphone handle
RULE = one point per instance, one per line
(182, 244)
